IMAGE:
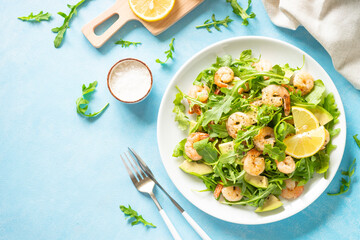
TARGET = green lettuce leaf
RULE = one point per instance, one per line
(205, 149)
(317, 95)
(275, 152)
(179, 110)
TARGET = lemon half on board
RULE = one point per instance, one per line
(304, 120)
(151, 10)
(305, 144)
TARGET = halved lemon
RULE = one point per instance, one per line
(151, 10)
(304, 120)
(305, 144)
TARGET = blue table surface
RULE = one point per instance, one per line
(60, 174)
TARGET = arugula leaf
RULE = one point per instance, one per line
(126, 44)
(62, 29)
(205, 149)
(131, 213)
(345, 185)
(357, 140)
(282, 129)
(238, 10)
(169, 53)
(215, 113)
(266, 113)
(82, 103)
(215, 23)
(90, 88)
(224, 61)
(218, 130)
(276, 153)
(179, 148)
(323, 162)
(179, 110)
(41, 16)
(229, 157)
(317, 94)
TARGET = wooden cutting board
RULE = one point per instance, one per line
(122, 9)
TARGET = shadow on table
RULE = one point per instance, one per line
(144, 111)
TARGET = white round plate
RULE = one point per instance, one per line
(168, 134)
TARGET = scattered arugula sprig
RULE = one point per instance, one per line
(82, 103)
(169, 53)
(215, 23)
(131, 213)
(41, 16)
(62, 29)
(126, 44)
(238, 10)
(357, 140)
(345, 185)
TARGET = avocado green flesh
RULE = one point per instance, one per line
(257, 181)
(270, 203)
(322, 115)
(195, 168)
(226, 147)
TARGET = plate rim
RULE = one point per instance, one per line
(228, 40)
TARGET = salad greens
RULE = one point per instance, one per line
(82, 103)
(62, 29)
(126, 44)
(41, 16)
(131, 213)
(215, 23)
(169, 53)
(238, 10)
(226, 153)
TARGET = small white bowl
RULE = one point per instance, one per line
(110, 77)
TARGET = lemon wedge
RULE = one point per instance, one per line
(304, 120)
(151, 10)
(305, 144)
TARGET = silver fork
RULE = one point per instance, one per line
(189, 219)
(146, 185)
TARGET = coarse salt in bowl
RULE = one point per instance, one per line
(130, 80)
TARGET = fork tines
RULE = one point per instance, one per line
(135, 168)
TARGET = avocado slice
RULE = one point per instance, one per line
(271, 203)
(226, 147)
(321, 114)
(257, 181)
(195, 168)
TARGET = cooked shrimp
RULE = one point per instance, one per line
(286, 166)
(232, 193)
(292, 191)
(189, 148)
(236, 121)
(304, 82)
(246, 88)
(257, 103)
(276, 95)
(262, 66)
(253, 164)
(200, 93)
(327, 139)
(265, 136)
(217, 190)
(253, 153)
(223, 76)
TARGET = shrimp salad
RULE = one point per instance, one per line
(239, 115)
